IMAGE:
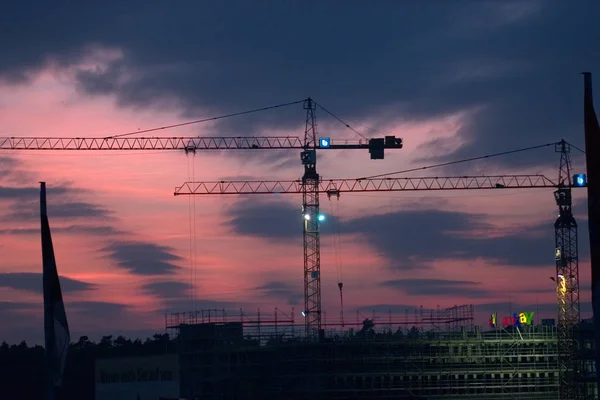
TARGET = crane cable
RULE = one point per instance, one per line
(195, 247)
(460, 161)
(335, 214)
(199, 121)
(191, 249)
(341, 121)
(193, 237)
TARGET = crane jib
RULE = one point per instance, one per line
(193, 144)
(333, 187)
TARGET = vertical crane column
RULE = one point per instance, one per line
(567, 278)
(311, 216)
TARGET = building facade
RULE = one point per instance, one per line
(509, 363)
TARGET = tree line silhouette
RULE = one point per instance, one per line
(22, 366)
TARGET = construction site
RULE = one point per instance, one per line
(441, 356)
(423, 354)
(431, 355)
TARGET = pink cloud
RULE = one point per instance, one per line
(137, 187)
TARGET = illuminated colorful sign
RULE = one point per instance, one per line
(493, 320)
(517, 319)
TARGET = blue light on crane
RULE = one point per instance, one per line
(325, 143)
(579, 180)
(320, 217)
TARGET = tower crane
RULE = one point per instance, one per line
(566, 247)
(567, 276)
(310, 180)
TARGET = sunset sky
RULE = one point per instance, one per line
(454, 79)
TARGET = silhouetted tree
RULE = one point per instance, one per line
(22, 367)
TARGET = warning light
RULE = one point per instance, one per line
(579, 180)
(325, 143)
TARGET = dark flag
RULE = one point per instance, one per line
(592, 158)
(56, 328)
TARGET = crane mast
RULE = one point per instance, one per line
(567, 278)
(311, 216)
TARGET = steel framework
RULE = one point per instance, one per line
(310, 233)
(280, 324)
(169, 143)
(377, 359)
(335, 186)
(567, 278)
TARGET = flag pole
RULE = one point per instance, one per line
(56, 329)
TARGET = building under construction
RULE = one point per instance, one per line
(436, 354)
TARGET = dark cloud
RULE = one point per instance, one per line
(516, 62)
(26, 211)
(413, 239)
(61, 205)
(167, 290)
(32, 281)
(98, 310)
(7, 163)
(282, 291)
(99, 230)
(29, 193)
(12, 171)
(274, 220)
(438, 287)
(436, 235)
(143, 258)
(15, 307)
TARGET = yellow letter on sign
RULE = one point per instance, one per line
(523, 318)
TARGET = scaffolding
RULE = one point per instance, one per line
(255, 327)
(510, 363)
(422, 354)
(280, 325)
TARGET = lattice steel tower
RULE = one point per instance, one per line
(567, 278)
(311, 217)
